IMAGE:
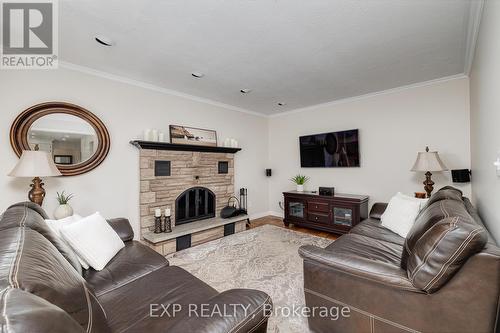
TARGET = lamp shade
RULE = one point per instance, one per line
(35, 163)
(428, 161)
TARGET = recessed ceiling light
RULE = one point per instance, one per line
(245, 91)
(281, 104)
(103, 40)
(197, 75)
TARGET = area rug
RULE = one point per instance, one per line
(264, 258)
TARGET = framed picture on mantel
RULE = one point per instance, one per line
(192, 136)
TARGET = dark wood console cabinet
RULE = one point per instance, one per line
(337, 214)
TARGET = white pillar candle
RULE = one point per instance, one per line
(234, 143)
(154, 135)
(147, 134)
(167, 212)
(157, 212)
(161, 137)
(227, 142)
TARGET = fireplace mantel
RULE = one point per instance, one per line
(174, 146)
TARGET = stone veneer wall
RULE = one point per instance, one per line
(185, 166)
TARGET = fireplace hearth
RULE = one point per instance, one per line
(196, 203)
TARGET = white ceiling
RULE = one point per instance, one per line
(300, 52)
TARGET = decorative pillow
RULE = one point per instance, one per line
(442, 250)
(401, 214)
(93, 239)
(422, 202)
(56, 225)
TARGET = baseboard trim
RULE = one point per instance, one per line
(264, 214)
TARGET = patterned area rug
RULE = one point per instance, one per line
(264, 258)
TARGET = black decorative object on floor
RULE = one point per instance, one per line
(162, 168)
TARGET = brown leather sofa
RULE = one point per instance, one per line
(43, 288)
(444, 277)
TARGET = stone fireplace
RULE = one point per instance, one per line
(195, 185)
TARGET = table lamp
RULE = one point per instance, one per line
(426, 162)
(35, 163)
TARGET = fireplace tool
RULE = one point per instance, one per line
(237, 207)
(243, 200)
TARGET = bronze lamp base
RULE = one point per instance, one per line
(428, 184)
(37, 192)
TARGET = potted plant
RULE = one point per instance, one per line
(300, 180)
(64, 209)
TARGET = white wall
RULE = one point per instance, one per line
(113, 188)
(485, 118)
(393, 127)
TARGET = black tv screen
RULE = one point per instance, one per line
(330, 150)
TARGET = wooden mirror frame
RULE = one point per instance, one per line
(21, 125)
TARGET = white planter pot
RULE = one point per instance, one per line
(63, 211)
(300, 188)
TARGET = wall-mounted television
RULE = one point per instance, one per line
(330, 150)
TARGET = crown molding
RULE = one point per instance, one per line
(149, 86)
(152, 87)
(474, 21)
(378, 93)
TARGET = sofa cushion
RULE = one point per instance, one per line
(128, 307)
(373, 228)
(130, 263)
(442, 250)
(24, 312)
(372, 249)
(31, 263)
(30, 215)
(445, 203)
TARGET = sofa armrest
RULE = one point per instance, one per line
(360, 267)
(377, 210)
(123, 228)
(235, 310)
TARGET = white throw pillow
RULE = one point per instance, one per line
(93, 239)
(400, 214)
(56, 225)
(422, 202)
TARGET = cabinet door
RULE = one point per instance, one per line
(343, 217)
(295, 209)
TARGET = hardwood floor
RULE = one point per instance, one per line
(273, 220)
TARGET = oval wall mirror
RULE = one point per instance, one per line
(76, 138)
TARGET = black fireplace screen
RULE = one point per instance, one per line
(196, 203)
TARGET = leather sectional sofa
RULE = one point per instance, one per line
(43, 288)
(444, 277)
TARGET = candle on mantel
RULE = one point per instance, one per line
(157, 212)
(167, 212)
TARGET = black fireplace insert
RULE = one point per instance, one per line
(196, 203)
